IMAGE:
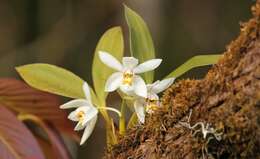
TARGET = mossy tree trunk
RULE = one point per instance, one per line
(228, 99)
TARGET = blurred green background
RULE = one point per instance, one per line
(65, 33)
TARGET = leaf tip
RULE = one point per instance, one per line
(116, 29)
(18, 68)
(125, 6)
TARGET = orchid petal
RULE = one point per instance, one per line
(87, 92)
(139, 87)
(147, 66)
(162, 85)
(90, 114)
(75, 104)
(110, 61)
(130, 62)
(114, 81)
(129, 90)
(150, 86)
(79, 126)
(152, 95)
(73, 116)
(88, 130)
(139, 109)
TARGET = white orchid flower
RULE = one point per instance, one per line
(127, 78)
(86, 113)
(152, 102)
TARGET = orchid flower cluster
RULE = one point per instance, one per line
(127, 79)
(86, 113)
(146, 99)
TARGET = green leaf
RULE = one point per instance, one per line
(196, 61)
(141, 43)
(113, 43)
(53, 79)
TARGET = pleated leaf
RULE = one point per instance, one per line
(58, 148)
(16, 141)
(21, 98)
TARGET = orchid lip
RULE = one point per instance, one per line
(128, 77)
(151, 104)
(81, 116)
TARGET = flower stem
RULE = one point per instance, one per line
(111, 109)
(122, 127)
(111, 134)
(111, 137)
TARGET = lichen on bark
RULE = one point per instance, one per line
(228, 98)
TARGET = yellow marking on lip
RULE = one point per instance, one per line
(81, 116)
(151, 104)
(128, 78)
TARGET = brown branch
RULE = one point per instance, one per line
(228, 99)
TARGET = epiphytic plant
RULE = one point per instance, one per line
(133, 81)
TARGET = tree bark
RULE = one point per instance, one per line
(228, 99)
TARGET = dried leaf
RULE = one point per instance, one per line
(21, 98)
(16, 141)
(59, 150)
